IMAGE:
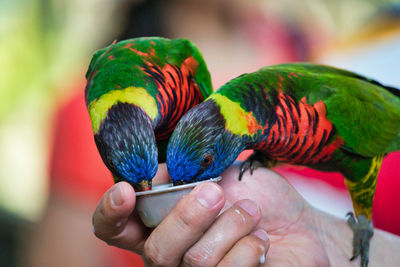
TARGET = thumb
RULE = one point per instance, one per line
(112, 220)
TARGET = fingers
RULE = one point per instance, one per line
(249, 251)
(184, 225)
(112, 220)
(235, 223)
(192, 234)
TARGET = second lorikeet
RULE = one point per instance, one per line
(313, 115)
(136, 92)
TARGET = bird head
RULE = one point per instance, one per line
(127, 145)
(201, 147)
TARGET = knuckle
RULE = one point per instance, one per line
(186, 219)
(102, 236)
(192, 258)
(153, 255)
(97, 233)
(97, 222)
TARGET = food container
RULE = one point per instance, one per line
(154, 205)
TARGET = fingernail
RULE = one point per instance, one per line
(209, 195)
(250, 207)
(262, 259)
(260, 233)
(117, 196)
(263, 235)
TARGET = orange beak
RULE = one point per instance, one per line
(144, 185)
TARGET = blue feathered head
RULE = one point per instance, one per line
(127, 145)
(200, 146)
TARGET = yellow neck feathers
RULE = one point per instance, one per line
(133, 95)
(238, 120)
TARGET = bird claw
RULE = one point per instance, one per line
(250, 163)
(362, 233)
(244, 167)
(252, 168)
(351, 220)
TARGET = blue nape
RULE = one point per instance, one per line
(134, 169)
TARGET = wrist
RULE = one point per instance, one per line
(384, 249)
(336, 237)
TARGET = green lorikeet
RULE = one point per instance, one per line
(136, 92)
(313, 115)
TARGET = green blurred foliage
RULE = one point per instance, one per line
(45, 46)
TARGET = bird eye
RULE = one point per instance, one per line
(207, 160)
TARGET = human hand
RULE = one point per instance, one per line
(301, 235)
(192, 234)
(298, 234)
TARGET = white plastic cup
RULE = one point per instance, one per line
(154, 205)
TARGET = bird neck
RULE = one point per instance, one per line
(127, 144)
(138, 96)
(238, 121)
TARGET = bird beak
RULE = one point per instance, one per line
(144, 185)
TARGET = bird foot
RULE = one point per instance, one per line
(248, 164)
(362, 233)
(254, 161)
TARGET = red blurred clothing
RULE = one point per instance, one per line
(78, 172)
(76, 168)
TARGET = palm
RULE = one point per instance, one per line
(287, 217)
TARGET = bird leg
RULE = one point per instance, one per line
(362, 233)
(362, 192)
(255, 160)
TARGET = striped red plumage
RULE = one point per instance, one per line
(288, 138)
(178, 92)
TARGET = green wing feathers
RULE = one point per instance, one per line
(365, 113)
(181, 49)
(366, 116)
(116, 67)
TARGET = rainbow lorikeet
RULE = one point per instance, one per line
(313, 115)
(136, 92)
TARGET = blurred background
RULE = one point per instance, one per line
(51, 176)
